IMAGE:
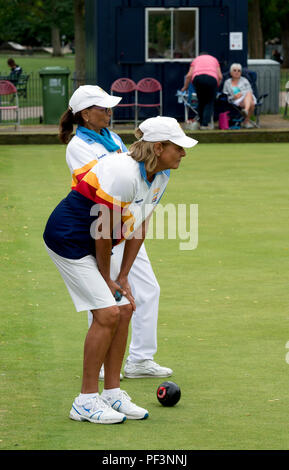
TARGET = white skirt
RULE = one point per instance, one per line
(85, 284)
(238, 101)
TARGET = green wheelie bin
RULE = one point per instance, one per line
(54, 93)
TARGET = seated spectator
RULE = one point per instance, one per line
(277, 56)
(240, 93)
(205, 75)
(16, 71)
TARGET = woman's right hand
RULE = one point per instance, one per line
(115, 287)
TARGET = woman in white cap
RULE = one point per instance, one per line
(110, 206)
(89, 108)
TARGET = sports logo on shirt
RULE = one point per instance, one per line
(155, 195)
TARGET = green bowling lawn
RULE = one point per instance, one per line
(223, 319)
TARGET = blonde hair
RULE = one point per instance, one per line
(143, 151)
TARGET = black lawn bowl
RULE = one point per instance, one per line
(168, 393)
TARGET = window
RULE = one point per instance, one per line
(172, 34)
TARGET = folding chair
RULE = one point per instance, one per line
(8, 95)
(190, 101)
(147, 86)
(222, 103)
(252, 77)
(127, 87)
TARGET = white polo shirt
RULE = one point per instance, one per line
(82, 153)
(118, 182)
(121, 183)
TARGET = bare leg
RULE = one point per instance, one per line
(115, 354)
(248, 105)
(251, 109)
(97, 343)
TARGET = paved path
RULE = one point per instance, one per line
(267, 121)
(274, 121)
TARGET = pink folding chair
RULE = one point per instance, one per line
(149, 85)
(8, 95)
(127, 87)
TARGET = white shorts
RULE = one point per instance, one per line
(85, 284)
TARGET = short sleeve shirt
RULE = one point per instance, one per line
(82, 154)
(205, 64)
(117, 182)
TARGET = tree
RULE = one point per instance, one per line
(36, 22)
(54, 13)
(79, 36)
(255, 32)
(284, 22)
(268, 19)
(275, 23)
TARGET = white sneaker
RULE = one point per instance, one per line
(122, 403)
(96, 410)
(248, 125)
(147, 368)
(192, 125)
(101, 374)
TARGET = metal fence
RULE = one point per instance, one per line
(31, 101)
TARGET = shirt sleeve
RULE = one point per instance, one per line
(78, 153)
(80, 159)
(112, 182)
(117, 178)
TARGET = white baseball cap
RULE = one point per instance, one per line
(89, 95)
(161, 128)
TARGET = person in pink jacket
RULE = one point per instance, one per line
(205, 75)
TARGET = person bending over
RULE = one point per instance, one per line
(111, 206)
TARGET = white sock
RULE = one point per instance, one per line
(83, 397)
(110, 392)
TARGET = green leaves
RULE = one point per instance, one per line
(29, 21)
